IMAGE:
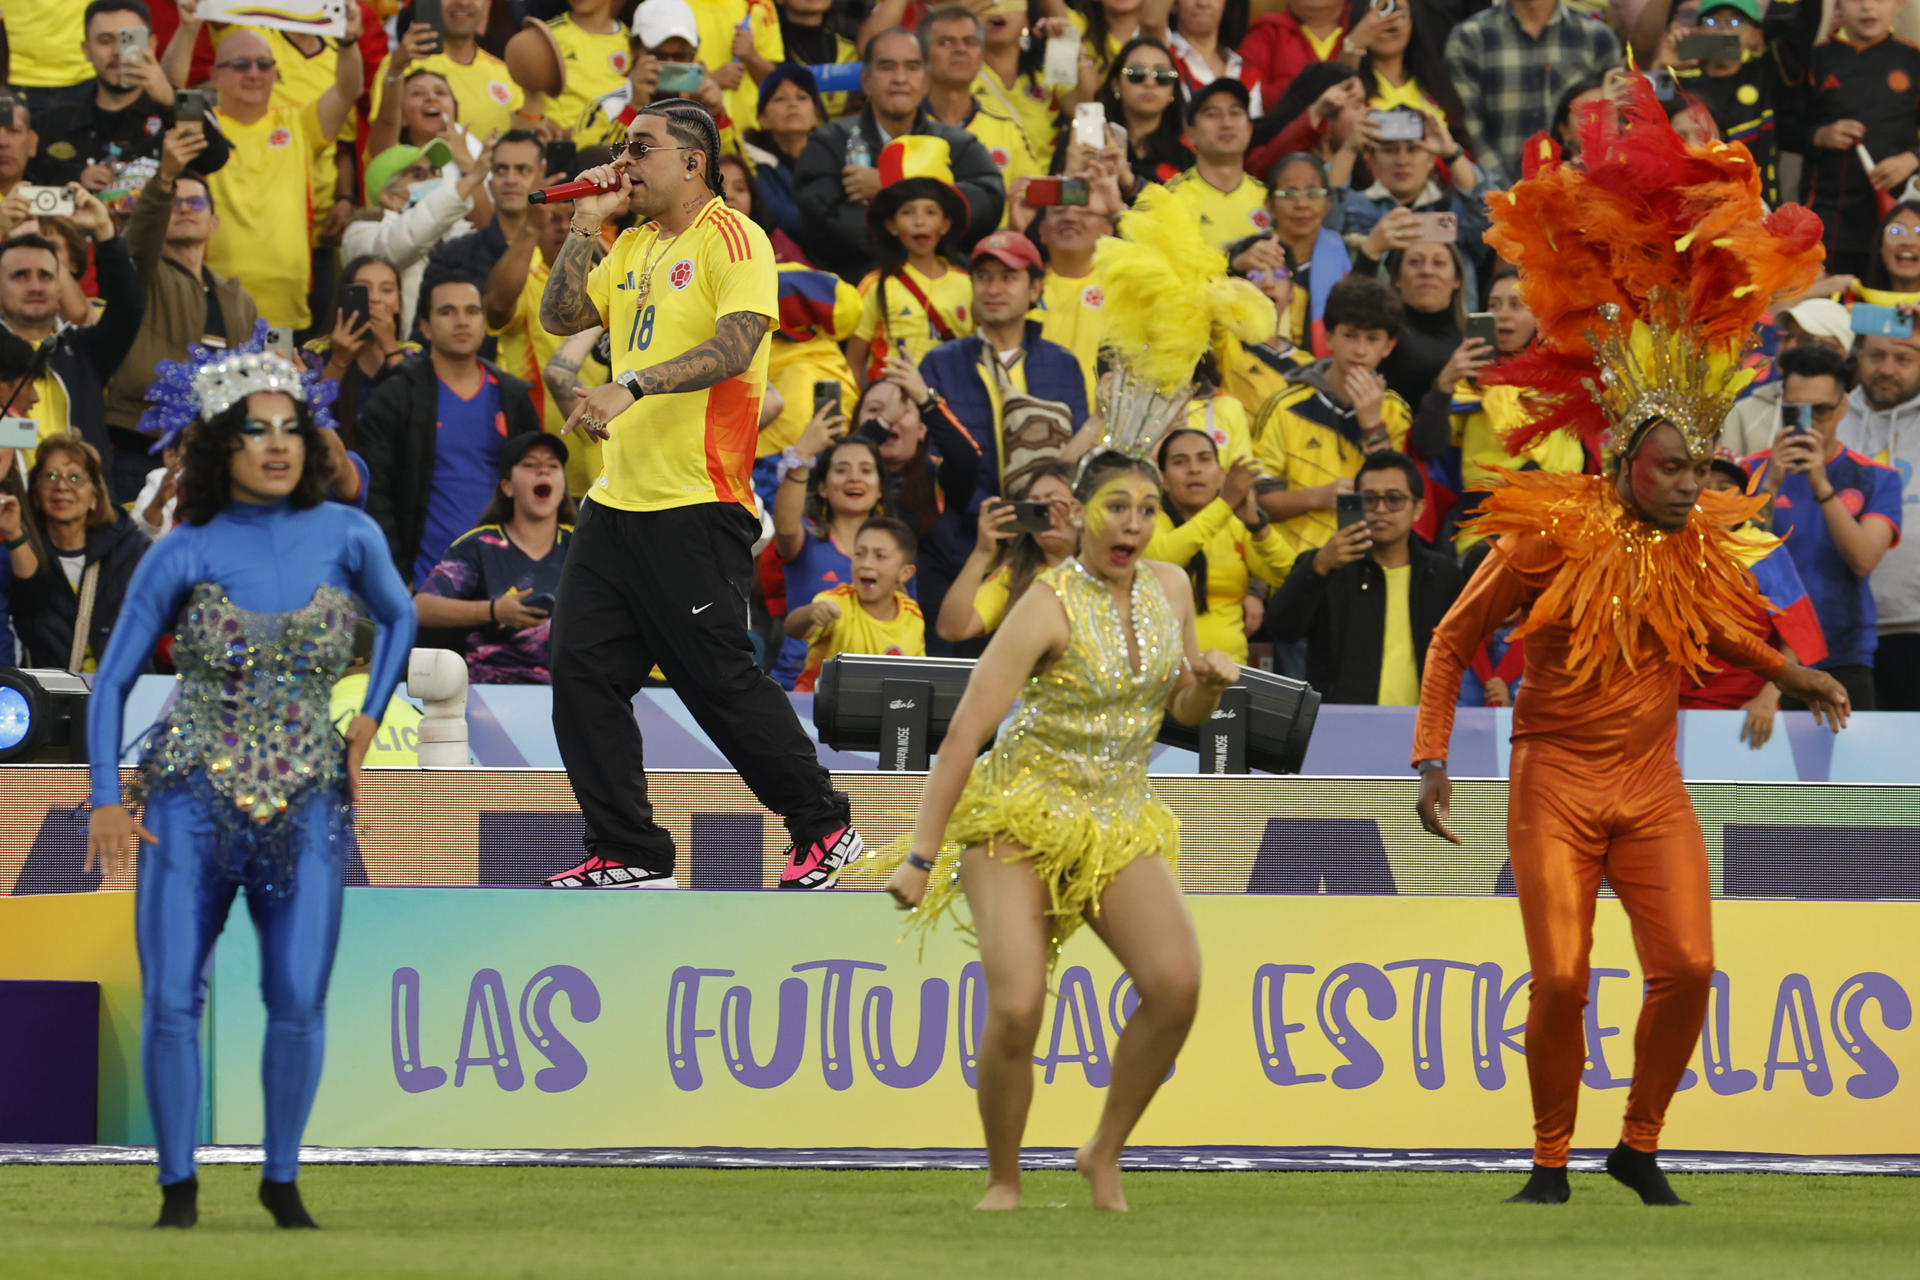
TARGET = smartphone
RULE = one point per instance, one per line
(1348, 508)
(541, 600)
(133, 45)
(1399, 126)
(1437, 228)
(1061, 68)
(826, 394)
(1032, 517)
(1047, 192)
(1664, 85)
(19, 433)
(1869, 320)
(679, 78)
(1090, 125)
(1710, 46)
(354, 304)
(190, 106)
(562, 154)
(1480, 325)
(47, 202)
(1796, 417)
(281, 341)
(429, 12)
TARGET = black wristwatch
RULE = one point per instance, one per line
(930, 405)
(630, 383)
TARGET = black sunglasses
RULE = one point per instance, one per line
(638, 150)
(1165, 77)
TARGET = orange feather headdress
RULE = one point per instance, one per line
(1646, 265)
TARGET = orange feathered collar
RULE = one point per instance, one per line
(1604, 573)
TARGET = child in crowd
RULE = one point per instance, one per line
(1861, 92)
(1311, 437)
(871, 614)
(916, 300)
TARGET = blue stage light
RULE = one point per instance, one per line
(16, 717)
(43, 716)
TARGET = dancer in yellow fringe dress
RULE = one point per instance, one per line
(1058, 823)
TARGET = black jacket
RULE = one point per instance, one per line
(835, 229)
(86, 356)
(396, 434)
(1343, 615)
(1878, 85)
(45, 608)
(77, 133)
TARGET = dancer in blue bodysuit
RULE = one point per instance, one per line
(246, 785)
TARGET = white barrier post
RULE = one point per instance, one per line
(438, 678)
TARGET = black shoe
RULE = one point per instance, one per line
(283, 1202)
(179, 1203)
(1639, 1170)
(1546, 1186)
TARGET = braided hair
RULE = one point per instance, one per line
(691, 126)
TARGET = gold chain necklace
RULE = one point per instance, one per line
(652, 261)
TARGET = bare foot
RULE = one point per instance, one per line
(1103, 1179)
(1000, 1195)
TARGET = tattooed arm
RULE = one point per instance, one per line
(728, 353)
(563, 370)
(565, 307)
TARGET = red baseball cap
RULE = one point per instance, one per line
(1011, 249)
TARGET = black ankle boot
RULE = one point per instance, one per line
(283, 1202)
(1546, 1186)
(1639, 1170)
(179, 1204)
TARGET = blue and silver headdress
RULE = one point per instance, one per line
(212, 380)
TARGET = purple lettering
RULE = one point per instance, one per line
(1793, 1013)
(1878, 1074)
(972, 1021)
(683, 1033)
(1491, 1033)
(569, 1067)
(876, 1024)
(1363, 1065)
(1270, 1025)
(1429, 1019)
(789, 1041)
(836, 1017)
(487, 1009)
(1716, 1041)
(409, 1071)
(1596, 1075)
(1077, 1004)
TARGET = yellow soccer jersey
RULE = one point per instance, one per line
(303, 78)
(1225, 216)
(44, 38)
(525, 346)
(905, 320)
(1073, 313)
(1006, 143)
(1036, 106)
(486, 95)
(659, 300)
(595, 65)
(718, 20)
(990, 601)
(793, 368)
(857, 631)
(1302, 437)
(265, 196)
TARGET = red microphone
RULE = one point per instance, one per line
(568, 191)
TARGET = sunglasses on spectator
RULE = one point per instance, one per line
(1300, 193)
(72, 479)
(1391, 500)
(1261, 275)
(638, 150)
(192, 204)
(249, 64)
(1165, 77)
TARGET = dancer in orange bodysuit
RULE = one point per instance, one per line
(1647, 269)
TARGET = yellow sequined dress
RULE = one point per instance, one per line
(1065, 786)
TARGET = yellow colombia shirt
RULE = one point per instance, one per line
(302, 79)
(1006, 145)
(44, 38)
(1036, 106)
(1073, 313)
(990, 601)
(906, 320)
(1225, 216)
(1399, 675)
(686, 447)
(485, 93)
(595, 65)
(858, 631)
(264, 194)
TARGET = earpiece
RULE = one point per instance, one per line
(692, 163)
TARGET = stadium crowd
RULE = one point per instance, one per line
(168, 180)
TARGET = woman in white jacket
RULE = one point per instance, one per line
(413, 209)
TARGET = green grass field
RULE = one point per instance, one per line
(517, 1222)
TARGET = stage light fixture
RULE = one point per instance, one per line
(902, 706)
(43, 716)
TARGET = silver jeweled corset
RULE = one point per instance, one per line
(251, 721)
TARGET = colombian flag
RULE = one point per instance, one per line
(814, 303)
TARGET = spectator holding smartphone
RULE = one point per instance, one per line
(498, 580)
(1005, 560)
(1744, 92)
(1883, 423)
(1428, 174)
(362, 350)
(488, 96)
(1755, 417)
(1861, 90)
(1838, 510)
